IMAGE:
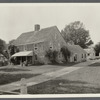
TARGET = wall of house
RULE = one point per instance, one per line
(55, 41)
(91, 55)
(80, 57)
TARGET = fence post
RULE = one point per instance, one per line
(23, 89)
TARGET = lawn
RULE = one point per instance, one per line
(62, 87)
(13, 69)
(9, 78)
(95, 64)
(84, 80)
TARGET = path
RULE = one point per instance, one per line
(44, 77)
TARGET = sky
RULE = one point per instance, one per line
(16, 19)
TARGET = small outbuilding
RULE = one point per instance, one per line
(78, 54)
(90, 53)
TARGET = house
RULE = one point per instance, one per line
(77, 53)
(33, 46)
(90, 53)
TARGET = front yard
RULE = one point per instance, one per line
(9, 78)
(60, 86)
(85, 80)
(13, 69)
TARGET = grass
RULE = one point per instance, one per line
(95, 64)
(9, 78)
(65, 64)
(12, 69)
(62, 87)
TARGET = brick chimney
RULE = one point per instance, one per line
(37, 27)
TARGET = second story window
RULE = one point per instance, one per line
(35, 47)
(51, 45)
(82, 55)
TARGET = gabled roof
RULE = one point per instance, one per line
(35, 36)
(75, 49)
(89, 50)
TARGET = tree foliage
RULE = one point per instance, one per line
(97, 49)
(52, 55)
(66, 53)
(3, 48)
(12, 49)
(76, 33)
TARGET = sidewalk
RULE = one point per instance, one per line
(44, 77)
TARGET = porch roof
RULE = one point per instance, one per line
(23, 53)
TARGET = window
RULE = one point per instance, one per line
(35, 48)
(59, 45)
(51, 45)
(35, 45)
(75, 57)
(35, 57)
(55, 36)
(82, 55)
(85, 55)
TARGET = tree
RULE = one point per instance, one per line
(11, 42)
(66, 53)
(97, 49)
(12, 49)
(3, 48)
(76, 33)
(52, 55)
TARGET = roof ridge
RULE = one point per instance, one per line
(48, 27)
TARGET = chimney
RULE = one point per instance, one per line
(37, 27)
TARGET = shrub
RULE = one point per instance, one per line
(52, 55)
(66, 53)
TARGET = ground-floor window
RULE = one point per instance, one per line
(35, 57)
(75, 57)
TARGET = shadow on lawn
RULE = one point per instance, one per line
(65, 64)
(95, 64)
(9, 78)
(62, 87)
(13, 69)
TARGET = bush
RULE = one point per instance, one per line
(3, 63)
(52, 55)
(66, 53)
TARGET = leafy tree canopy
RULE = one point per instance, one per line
(76, 33)
(12, 49)
(97, 49)
(3, 48)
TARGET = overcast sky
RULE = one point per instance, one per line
(18, 18)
